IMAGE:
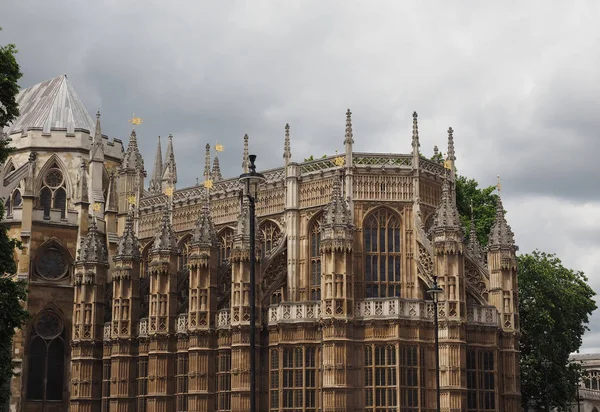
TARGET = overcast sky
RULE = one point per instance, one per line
(518, 81)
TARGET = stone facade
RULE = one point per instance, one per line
(140, 295)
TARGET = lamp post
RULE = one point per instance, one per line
(250, 185)
(434, 292)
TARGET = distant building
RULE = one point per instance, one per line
(589, 387)
(139, 293)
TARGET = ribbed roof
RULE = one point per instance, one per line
(52, 104)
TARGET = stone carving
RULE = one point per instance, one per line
(92, 249)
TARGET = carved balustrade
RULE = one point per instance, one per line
(107, 330)
(291, 312)
(393, 308)
(182, 323)
(483, 315)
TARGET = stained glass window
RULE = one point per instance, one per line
(382, 254)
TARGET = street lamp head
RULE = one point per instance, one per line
(435, 290)
(251, 181)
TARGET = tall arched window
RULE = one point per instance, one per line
(270, 235)
(53, 194)
(315, 257)
(185, 253)
(225, 245)
(382, 254)
(46, 369)
(12, 202)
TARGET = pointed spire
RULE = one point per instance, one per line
(165, 238)
(207, 173)
(446, 216)
(129, 246)
(287, 154)
(157, 172)
(205, 233)
(501, 235)
(132, 159)
(349, 137)
(451, 154)
(92, 249)
(97, 152)
(82, 195)
(170, 168)
(337, 211)
(216, 169)
(245, 161)
(415, 133)
(436, 152)
(111, 202)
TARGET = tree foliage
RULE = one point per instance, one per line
(12, 293)
(554, 307)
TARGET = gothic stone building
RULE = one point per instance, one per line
(139, 290)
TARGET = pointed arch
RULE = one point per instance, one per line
(270, 235)
(146, 258)
(53, 160)
(52, 261)
(9, 167)
(225, 237)
(382, 253)
(314, 255)
(47, 355)
(184, 248)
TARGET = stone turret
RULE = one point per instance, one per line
(126, 309)
(131, 180)
(89, 283)
(169, 178)
(96, 169)
(202, 264)
(245, 161)
(287, 153)
(216, 169)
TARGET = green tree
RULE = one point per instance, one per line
(12, 293)
(555, 304)
(554, 308)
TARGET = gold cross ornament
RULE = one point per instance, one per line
(339, 161)
(96, 207)
(208, 184)
(169, 191)
(219, 147)
(135, 120)
(131, 200)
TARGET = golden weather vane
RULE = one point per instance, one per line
(135, 120)
(208, 184)
(131, 200)
(339, 160)
(169, 191)
(498, 186)
(97, 207)
(219, 147)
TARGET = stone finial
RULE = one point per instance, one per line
(82, 195)
(348, 137)
(338, 211)
(111, 202)
(92, 248)
(501, 235)
(155, 181)
(415, 132)
(436, 152)
(129, 246)
(165, 239)
(446, 217)
(287, 154)
(451, 154)
(97, 152)
(216, 169)
(205, 233)
(474, 247)
(132, 159)
(245, 161)
(207, 163)
(170, 167)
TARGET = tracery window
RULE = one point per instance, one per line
(185, 253)
(381, 394)
(105, 384)
(53, 194)
(481, 385)
(315, 258)
(382, 254)
(294, 387)
(225, 245)
(13, 201)
(224, 381)
(46, 369)
(412, 378)
(142, 383)
(270, 235)
(51, 263)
